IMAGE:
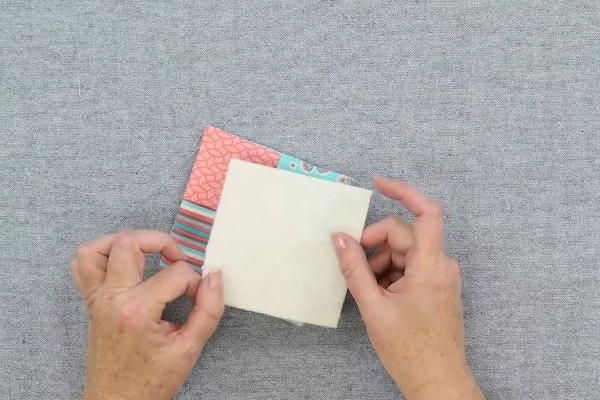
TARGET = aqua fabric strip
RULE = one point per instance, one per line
(293, 164)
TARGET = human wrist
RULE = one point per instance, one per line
(94, 393)
(450, 384)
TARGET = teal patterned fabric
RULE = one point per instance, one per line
(293, 164)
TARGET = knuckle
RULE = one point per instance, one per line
(214, 313)
(348, 268)
(218, 312)
(453, 269)
(73, 266)
(435, 282)
(181, 268)
(159, 236)
(436, 208)
(164, 236)
(191, 348)
(99, 305)
(74, 270)
(393, 220)
(438, 283)
(95, 304)
(389, 219)
(453, 264)
(129, 311)
(83, 250)
(445, 278)
(125, 238)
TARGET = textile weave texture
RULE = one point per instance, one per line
(491, 107)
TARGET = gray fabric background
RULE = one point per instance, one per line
(490, 106)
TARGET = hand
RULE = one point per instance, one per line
(408, 294)
(132, 353)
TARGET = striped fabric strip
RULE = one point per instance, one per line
(203, 226)
(191, 231)
(188, 205)
(183, 241)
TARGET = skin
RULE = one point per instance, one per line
(408, 294)
(132, 353)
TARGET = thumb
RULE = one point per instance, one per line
(208, 310)
(353, 264)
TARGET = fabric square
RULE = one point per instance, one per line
(271, 239)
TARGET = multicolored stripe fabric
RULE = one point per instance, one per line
(191, 231)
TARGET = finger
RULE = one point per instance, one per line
(355, 268)
(88, 269)
(126, 251)
(75, 276)
(398, 260)
(125, 266)
(416, 202)
(453, 271)
(207, 312)
(168, 284)
(148, 242)
(91, 260)
(381, 260)
(428, 226)
(391, 230)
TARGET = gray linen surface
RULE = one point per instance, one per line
(490, 106)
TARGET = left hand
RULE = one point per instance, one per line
(132, 352)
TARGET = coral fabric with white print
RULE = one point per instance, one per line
(217, 148)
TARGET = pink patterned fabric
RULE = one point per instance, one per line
(208, 174)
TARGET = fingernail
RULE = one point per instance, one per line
(339, 242)
(214, 278)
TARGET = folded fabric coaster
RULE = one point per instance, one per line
(193, 223)
(271, 239)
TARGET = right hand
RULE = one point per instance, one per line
(408, 294)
